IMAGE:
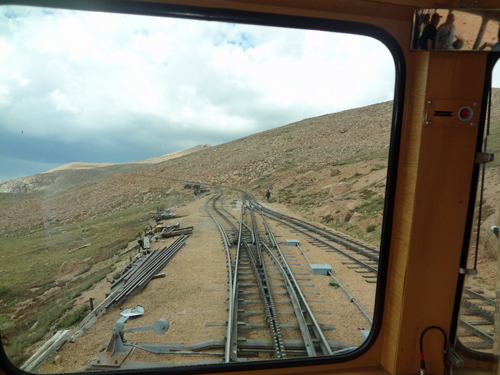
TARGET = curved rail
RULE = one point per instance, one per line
(230, 322)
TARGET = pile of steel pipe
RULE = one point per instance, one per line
(177, 232)
(127, 274)
(150, 267)
(166, 231)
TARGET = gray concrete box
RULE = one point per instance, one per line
(292, 242)
(320, 269)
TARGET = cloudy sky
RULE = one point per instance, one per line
(95, 87)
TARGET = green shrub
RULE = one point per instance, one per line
(74, 318)
(371, 228)
(335, 285)
(4, 291)
(327, 219)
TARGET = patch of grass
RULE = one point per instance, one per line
(371, 208)
(378, 167)
(337, 224)
(313, 198)
(82, 284)
(4, 291)
(23, 337)
(335, 285)
(5, 322)
(116, 276)
(311, 167)
(86, 268)
(371, 228)
(287, 166)
(367, 194)
(73, 318)
(327, 219)
(354, 177)
(47, 314)
(8, 198)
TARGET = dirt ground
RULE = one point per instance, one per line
(194, 292)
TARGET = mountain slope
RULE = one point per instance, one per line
(77, 173)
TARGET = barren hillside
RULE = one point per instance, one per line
(328, 165)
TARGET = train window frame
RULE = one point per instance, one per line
(293, 22)
(492, 61)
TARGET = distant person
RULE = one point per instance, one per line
(268, 195)
(427, 41)
(494, 46)
(446, 34)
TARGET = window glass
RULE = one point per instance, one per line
(177, 191)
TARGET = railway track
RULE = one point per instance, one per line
(360, 257)
(477, 321)
(252, 255)
(260, 283)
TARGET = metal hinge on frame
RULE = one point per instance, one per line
(467, 271)
(483, 157)
(454, 358)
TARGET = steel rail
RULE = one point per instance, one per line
(343, 240)
(130, 272)
(240, 222)
(475, 295)
(478, 310)
(361, 263)
(316, 229)
(230, 323)
(154, 264)
(476, 332)
(352, 299)
(266, 294)
(297, 306)
(233, 227)
(232, 338)
(223, 233)
(313, 229)
(296, 293)
(269, 306)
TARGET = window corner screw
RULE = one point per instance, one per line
(473, 124)
(430, 101)
(427, 122)
(476, 104)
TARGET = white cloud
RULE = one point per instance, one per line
(83, 76)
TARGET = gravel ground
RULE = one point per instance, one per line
(194, 292)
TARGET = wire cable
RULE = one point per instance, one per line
(422, 361)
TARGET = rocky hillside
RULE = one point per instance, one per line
(78, 173)
(330, 168)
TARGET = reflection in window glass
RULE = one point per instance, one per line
(455, 29)
(491, 39)
(467, 26)
(476, 331)
(148, 170)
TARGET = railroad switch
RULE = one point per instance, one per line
(118, 349)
